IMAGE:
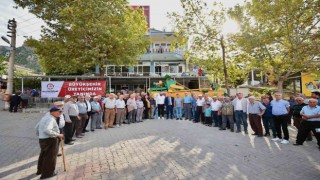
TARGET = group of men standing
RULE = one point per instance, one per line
(69, 118)
(273, 114)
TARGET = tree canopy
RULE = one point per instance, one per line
(200, 26)
(3, 66)
(282, 37)
(82, 34)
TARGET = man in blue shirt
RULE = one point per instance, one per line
(187, 100)
(194, 107)
(280, 110)
(311, 116)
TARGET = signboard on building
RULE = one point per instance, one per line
(62, 88)
(310, 83)
(146, 12)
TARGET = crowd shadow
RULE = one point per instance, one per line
(193, 160)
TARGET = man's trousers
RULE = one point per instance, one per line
(48, 156)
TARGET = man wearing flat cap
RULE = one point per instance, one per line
(48, 132)
(255, 109)
(60, 120)
(66, 99)
(71, 115)
(96, 110)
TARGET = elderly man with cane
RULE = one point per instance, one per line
(48, 132)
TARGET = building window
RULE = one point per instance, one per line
(146, 70)
(174, 69)
(125, 69)
(110, 70)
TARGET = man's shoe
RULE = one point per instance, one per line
(177, 119)
(266, 134)
(276, 139)
(232, 130)
(70, 143)
(309, 139)
(255, 134)
(53, 175)
(296, 144)
(284, 142)
(162, 118)
(246, 132)
(238, 131)
(221, 129)
(59, 154)
(82, 134)
(92, 130)
(99, 128)
(86, 130)
(73, 139)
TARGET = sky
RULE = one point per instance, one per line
(29, 25)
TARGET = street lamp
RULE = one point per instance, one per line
(5, 40)
(12, 25)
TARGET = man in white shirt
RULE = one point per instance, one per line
(200, 109)
(160, 103)
(120, 111)
(208, 98)
(132, 108)
(110, 111)
(240, 112)
(71, 115)
(215, 110)
(87, 101)
(48, 131)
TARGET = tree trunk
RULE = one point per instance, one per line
(280, 84)
(226, 77)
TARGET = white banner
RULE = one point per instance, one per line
(51, 88)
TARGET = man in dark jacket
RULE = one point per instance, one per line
(297, 117)
(168, 103)
(14, 102)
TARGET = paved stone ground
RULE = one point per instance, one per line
(157, 149)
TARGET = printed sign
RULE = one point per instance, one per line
(310, 83)
(62, 88)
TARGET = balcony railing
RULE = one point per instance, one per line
(150, 74)
(166, 50)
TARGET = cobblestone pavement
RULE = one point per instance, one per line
(157, 149)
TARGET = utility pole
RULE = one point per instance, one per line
(12, 26)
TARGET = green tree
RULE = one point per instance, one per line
(282, 37)
(200, 26)
(3, 65)
(82, 34)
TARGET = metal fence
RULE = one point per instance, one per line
(38, 102)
